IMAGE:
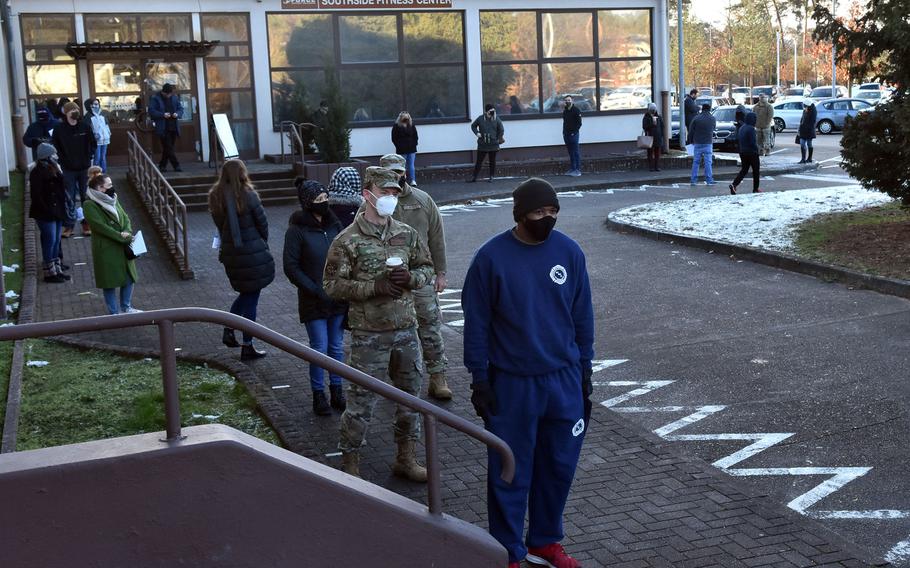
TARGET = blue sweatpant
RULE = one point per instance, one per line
(541, 418)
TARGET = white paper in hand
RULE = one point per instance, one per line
(216, 242)
(690, 149)
(138, 244)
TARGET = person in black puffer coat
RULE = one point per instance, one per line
(807, 132)
(306, 244)
(244, 250)
(48, 209)
(404, 137)
(748, 154)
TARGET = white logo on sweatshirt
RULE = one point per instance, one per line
(558, 274)
(579, 427)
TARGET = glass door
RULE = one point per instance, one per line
(180, 74)
(118, 86)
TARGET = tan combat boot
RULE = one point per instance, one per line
(406, 465)
(438, 388)
(350, 463)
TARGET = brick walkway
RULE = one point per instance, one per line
(636, 501)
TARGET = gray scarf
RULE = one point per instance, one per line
(106, 202)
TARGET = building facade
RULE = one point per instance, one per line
(262, 62)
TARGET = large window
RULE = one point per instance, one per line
(49, 71)
(600, 57)
(229, 76)
(385, 62)
(129, 28)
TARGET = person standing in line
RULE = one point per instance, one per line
(653, 125)
(807, 128)
(701, 135)
(489, 132)
(166, 110)
(75, 143)
(571, 127)
(404, 137)
(344, 194)
(690, 106)
(417, 209)
(113, 232)
(48, 209)
(764, 113)
(243, 232)
(748, 154)
(306, 244)
(529, 344)
(374, 264)
(39, 132)
(102, 132)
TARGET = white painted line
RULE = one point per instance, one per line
(840, 477)
(80, 263)
(700, 414)
(333, 455)
(276, 387)
(448, 310)
(776, 151)
(829, 160)
(829, 167)
(448, 291)
(456, 323)
(763, 441)
(647, 387)
(822, 177)
(600, 365)
(899, 553)
(881, 514)
(617, 383)
(642, 409)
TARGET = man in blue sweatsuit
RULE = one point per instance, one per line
(528, 343)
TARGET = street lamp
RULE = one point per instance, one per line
(833, 49)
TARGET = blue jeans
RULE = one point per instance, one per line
(50, 239)
(327, 337)
(571, 140)
(703, 152)
(805, 143)
(100, 158)
(75, 183)
(126, 298)
(245, 305)
(409, 162)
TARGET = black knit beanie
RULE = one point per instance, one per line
(531, 195)
(308, 190)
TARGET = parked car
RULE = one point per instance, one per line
(723, 90)
(770, 90)
(725, 131)
(627, 96)
(705, 92)
(787, 113)
(833, 113)
(857, 89)
(874, 97)
(713, 101)
(793, 94)
(740, 95)
(674, 127)
(820, 93)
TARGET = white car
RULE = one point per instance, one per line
(741, 95)
(788, 113)
(627, 97)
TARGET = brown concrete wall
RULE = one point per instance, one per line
(219, 498)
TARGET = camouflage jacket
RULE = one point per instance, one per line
(356, 259)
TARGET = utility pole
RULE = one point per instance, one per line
(795, 63)
(682, 82)
(778, 61)
(833, 62)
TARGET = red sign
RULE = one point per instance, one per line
(364, 4)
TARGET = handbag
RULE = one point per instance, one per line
(797, 140)
(645, 142)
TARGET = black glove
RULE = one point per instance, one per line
(401, 277)
(484, 400)
(385, 287)
(587, 389)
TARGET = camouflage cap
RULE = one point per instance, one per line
(380, 177)
(393, 162)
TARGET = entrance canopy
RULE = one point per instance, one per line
(145, 48)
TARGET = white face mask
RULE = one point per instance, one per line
(386, 205)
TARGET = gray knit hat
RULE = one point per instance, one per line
(45, 151)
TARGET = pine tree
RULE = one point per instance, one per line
(334, 137)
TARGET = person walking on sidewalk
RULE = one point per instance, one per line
(653, 125)
(166, 110)
(529, 343)
(48, 209)
(344, 194)
(102, 132)
(306, 244)
(404, 137)
(690, 106)
(701, 135)
(243, 233)
(75, 143)
(807, 129)
(748, 154)
(374, 264)
(571, 129)
(113, 234)
(417, 209)
(490, 134)
(764, 114)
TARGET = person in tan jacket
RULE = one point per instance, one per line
(765, 114)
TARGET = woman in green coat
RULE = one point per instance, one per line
(112, 232)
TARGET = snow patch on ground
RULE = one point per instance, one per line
(763, 220)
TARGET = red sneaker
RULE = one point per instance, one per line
(552, 555)
(514, 564)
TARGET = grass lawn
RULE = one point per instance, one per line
(874, 240)
(89, 395)
(11, 212)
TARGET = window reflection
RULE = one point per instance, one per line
(433, 38)
(368, 39)
(225, 27)
(374, 94)
(624, 33)
(435, 92)
(511, 88)
(51, 79)
(508, 36)
(627, 83)
(567, 34)
(300, 40)
(111, 28)
(235, 104)
(117, 77)
(227, 74)
(561, 79)
(47, 30)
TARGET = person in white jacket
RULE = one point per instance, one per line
(102, 133)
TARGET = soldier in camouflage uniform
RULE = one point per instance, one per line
(417, 209)
(381, 316)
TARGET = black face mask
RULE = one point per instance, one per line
(402, 182)
(320, 209)
(110, 192)
(541, 228)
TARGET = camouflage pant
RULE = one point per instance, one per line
(763, 138)
(429, 321)
(382, 354)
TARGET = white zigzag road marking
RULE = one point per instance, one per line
(600, 365)
(762, 441)
(647, 386)
(840, 477)
(881, 514)
(900, 552)
(700, 413)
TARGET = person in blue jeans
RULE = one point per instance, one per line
(306, 244)
(701, 135)
(48, 209)
(571, 127)
(405, 138)
(528, 344)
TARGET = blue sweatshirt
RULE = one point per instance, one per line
(527, 308)
(746, 135)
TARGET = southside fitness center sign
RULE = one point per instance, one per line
(363, 4)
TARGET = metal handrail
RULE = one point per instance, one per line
(163, 203)
(292, 129)
(165, 320)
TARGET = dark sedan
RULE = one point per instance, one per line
(725, 131)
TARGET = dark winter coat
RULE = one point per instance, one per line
(656, 131)
(250, 267)
(491, 132)
(75, 145)
(690, 107)
(404, 138)
(746, 137)
(306, 244)
(158, 106)
(48, 193)
(807, 122)
(701, 131)
(571, 120)
(38, 132)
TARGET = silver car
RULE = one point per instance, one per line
(833, 113)
(787, 114)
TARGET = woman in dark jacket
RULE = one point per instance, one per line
(653, 126)
(404, 137)
(244, 250)
(306, 244)
(48, 209)
(489, 132)
(345, 196)
(807, 132)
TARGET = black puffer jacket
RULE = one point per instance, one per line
(249, 267)
(48, 194)
(306, 244)
(807, 122)
(404, 138)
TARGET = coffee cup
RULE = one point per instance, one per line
(393, 262)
